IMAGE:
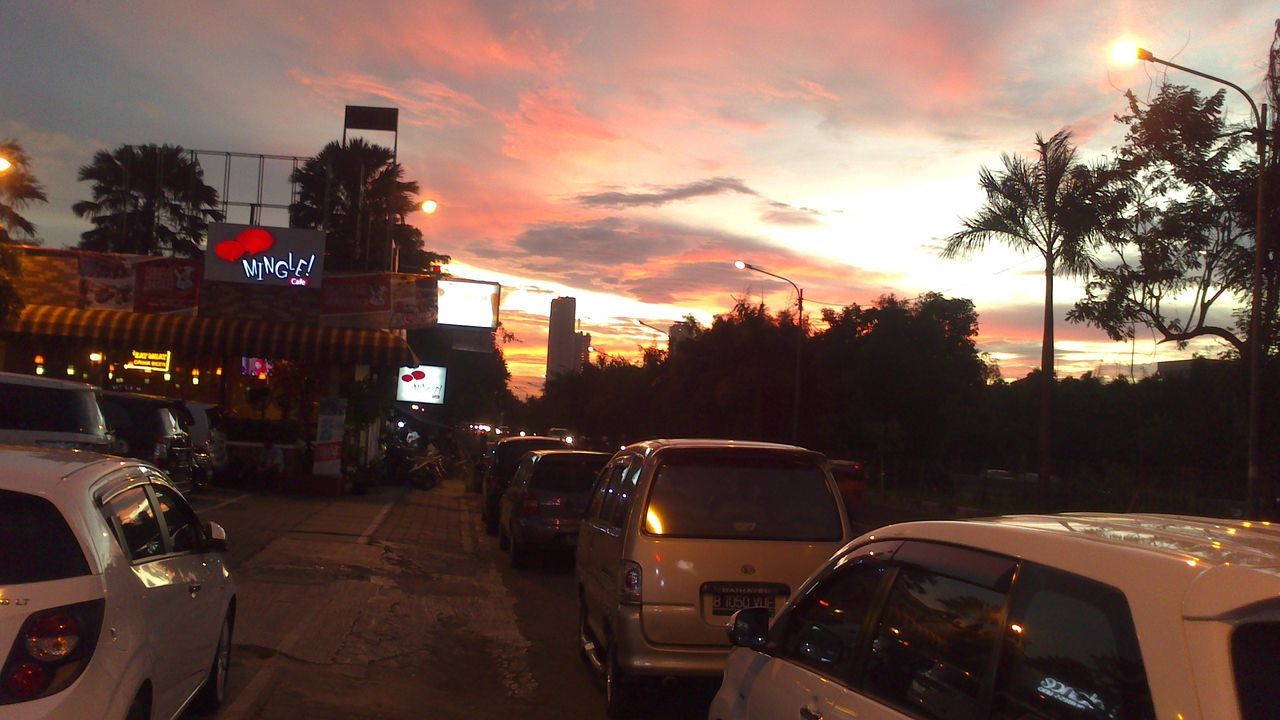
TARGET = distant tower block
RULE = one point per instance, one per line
(562, 341)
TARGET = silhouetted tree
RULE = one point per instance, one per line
(358, 196)
(147, 200)
(18, 189)
(1053, 206)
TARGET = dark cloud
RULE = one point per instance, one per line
(663, 195)
(779, 213)
(606, 241)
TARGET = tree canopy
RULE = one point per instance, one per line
(18, 189)
(357, 195)
(147, 200)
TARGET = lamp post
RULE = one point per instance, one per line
(795, 403)
(657, 330)
(428, 207)
(1256, 343)
(4, 164)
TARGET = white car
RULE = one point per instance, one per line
(114, 598)
(1053, 616)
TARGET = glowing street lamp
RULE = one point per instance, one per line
(1255, 489)
(5, 165)
(795, 404)
(429, 206)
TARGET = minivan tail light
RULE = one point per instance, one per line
(530, 505)
(630, 583)
(51, 650)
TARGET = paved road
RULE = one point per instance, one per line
(397, 605)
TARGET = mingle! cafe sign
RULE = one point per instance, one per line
(264, 256)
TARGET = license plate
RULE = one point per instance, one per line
(723, 603)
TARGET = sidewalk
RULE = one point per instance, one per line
(379, 606)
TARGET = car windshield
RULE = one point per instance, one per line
(45, 409)
(742, 494)
(567, 473)
(38, 545)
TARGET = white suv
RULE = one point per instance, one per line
(1061, 617)
(114, 599)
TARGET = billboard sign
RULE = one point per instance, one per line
(422, 384)
(468, 303)
(287, 257)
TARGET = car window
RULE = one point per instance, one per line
(605, 498)
(180, 520)
(742, 494)
(599, 490)
(935, 641)
(1071, 654)
(45, 409)
(36, 544)
(522, 471)
(826, 629)
(624, 492)
(567, 473)
(139, 531)
(1256, 665)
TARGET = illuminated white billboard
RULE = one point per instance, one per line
(264, 256)
(468, 303)
(422, 384)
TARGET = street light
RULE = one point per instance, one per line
(5, 164)
(1255, 313)
(661, 332)
(795, 404)
(427, 206)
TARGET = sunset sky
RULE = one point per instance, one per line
(626, 153)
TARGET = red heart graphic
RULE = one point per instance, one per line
(418, 374)
(255, 240)
(407, 378)
(229, 250)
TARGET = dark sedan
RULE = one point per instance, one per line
(544, 506)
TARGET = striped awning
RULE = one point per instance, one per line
(216, 336)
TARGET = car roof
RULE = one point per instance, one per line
(526, 438)
(21, 379)
(157, 399)
(711, 443)
(51, 471)
(1214, 564)
(586, 453)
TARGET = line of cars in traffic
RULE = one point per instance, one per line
(736, 561)
(115, 601)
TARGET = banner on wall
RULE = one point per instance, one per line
(106, 282)
(167, 285)
(413, 301)
(331, 421)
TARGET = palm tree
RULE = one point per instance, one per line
(1051, 206)
(18, 189)
(147, 200)
(356, 194)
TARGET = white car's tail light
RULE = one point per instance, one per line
(630, 583)
(51, 650)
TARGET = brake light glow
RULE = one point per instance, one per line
(530, 505)
(26, 681)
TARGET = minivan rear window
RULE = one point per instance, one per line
(36, 545)
(567, 473)
(742, 494)
(46, 409)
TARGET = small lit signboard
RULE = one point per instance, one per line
(422, 384)
(287, 257)
(149, 361)
(468, 303)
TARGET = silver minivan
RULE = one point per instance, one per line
(681, 534)
(52, 413)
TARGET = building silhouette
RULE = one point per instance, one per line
(563, 351)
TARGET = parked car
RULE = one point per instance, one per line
(564, 434)
(504, 457)
(679, 535)
(203, 423)
(1056, 616)
(51, 413)
(150, 429)
(117, 603)
(543, 508)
